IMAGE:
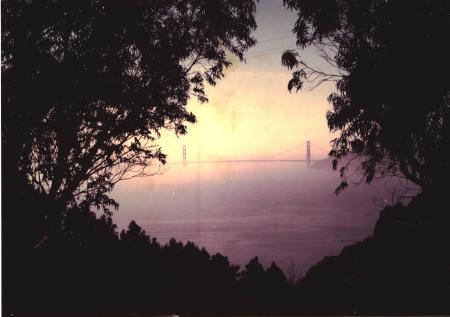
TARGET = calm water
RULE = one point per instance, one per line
(278, 211)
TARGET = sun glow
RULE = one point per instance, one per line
(251, 115)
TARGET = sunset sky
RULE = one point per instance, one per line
(250, 113)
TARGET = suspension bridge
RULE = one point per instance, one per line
(291, 153)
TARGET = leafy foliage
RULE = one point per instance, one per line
(392, 99)
(88, 86)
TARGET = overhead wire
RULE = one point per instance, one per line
(273, 50)
(275, 38)
(269, 51)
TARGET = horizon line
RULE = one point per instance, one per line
(241, 161)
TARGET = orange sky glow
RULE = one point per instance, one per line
(250, 113)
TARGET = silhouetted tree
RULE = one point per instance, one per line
(265, 290)
(253, 271)
(391, 66)
(276, 277)
(135, 234)
(88, 86)
(389, 60)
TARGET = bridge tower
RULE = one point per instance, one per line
(308, 153)
(184, 155)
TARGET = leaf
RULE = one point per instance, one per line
(289, 59)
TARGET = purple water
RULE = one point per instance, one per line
(278, 211)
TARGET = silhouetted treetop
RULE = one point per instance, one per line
(135, 234)
(390, 64)
(88, 85)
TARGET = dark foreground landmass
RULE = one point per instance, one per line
(404, 268)
(90, 269)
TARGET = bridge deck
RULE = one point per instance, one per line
(240, 161)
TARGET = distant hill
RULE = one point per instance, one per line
(327, 163)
